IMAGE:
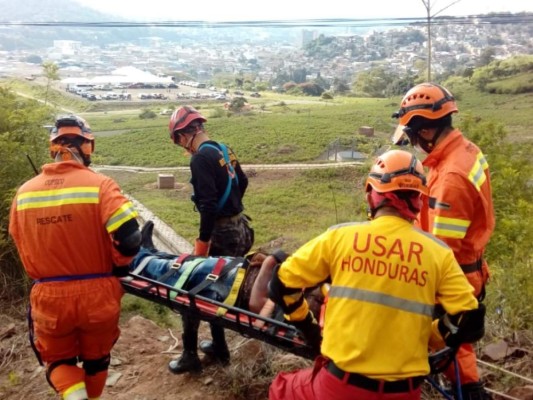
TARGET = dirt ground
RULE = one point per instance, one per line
(139, 366)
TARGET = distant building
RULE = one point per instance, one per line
(308, 36)
(67, 47)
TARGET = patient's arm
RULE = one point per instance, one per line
(259, 295)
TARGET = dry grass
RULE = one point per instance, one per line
(253, 367)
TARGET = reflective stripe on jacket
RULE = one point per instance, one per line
(61, 221)
(386, 277)
(459, 209)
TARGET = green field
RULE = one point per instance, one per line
(290, 207)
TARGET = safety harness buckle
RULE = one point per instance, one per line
(176, 266)
(178, 262)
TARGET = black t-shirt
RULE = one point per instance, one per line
(210, 180)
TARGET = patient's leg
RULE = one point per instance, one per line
(147, 243)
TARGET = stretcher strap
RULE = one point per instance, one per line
(189, 267)
(218, 272)
(234, 292)
(174, 268)
(142, 265)
(218, 267)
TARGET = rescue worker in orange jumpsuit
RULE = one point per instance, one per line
(458, 209)
(219, 184)
(386, 276)
(75, 233)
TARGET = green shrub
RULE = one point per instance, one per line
(147, 114)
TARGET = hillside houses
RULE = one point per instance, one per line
(398, 50)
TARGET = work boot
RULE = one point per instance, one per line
(146, 236)
(188, 362)
(474, 391)
(219, 354)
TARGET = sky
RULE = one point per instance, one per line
(252, 10)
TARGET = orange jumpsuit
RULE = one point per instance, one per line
(459, 211)
(61, 222)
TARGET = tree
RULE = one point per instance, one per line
(237, 104)
(34, 59)
(51, 73)
(299, 75)
(21, 136)
(372, 83)
(239, 82)
(311, 89)
(486, 57)
(340, 86)
(280, 78)
(508, 252)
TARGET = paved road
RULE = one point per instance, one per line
(292, 166)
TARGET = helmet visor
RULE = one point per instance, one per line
(400, 137)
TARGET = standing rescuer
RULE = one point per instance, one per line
(75, 232)
(219, 184)
(458, 208)
(386, 276)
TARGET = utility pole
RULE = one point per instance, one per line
(427, 5)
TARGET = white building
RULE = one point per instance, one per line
(67, 47)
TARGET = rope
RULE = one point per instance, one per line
(505, 396)
(529, 380)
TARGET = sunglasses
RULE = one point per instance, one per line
(189, 129)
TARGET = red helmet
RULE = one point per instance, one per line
(397, 170)
(426, 100)
(182, 117)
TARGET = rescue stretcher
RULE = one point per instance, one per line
(248, 324)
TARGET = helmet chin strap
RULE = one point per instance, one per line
(408, 207)
(418, 142)
(188, 145)
(66, 153)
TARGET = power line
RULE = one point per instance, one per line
(488, 19)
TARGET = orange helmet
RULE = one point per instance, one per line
(426, 100)
(397, 170)
(182, 117)
(70, 131)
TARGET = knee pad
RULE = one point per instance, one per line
(92, 367)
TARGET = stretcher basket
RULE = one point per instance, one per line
(276, 333)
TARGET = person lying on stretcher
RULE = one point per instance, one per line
(241, 282)
(252, 292)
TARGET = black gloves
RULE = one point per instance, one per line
(120, 271)
(465, 327)
(310, 331)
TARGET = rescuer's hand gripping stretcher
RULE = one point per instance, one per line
(230, 291)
